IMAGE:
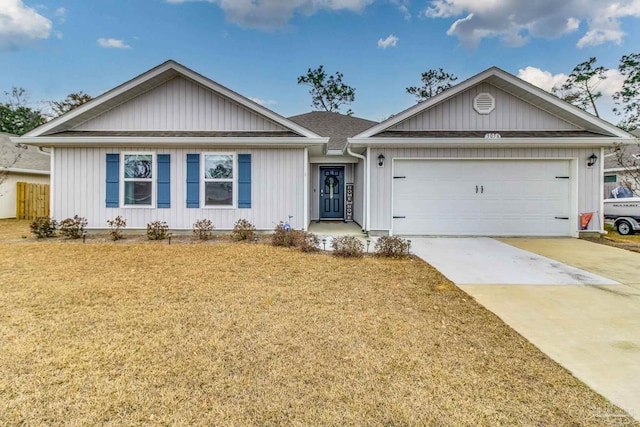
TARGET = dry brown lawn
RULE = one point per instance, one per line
(244, 334)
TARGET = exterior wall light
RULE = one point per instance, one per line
(591, 160)
(381, 160)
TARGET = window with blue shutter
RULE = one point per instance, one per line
(113, 182)
(164, 181)
(244, 180)
(193, 180)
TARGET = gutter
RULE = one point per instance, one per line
(365, 191)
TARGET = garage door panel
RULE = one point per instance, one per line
(481, 197)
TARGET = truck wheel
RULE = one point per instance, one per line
(624, 228)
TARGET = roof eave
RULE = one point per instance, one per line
(483, 142)
(97, 141)
(26, 171)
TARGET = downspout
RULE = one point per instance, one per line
(365, 190)
(601, 191)
(305, 219)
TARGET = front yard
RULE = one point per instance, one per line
(249, 334)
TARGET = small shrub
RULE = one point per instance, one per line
(157, 230)
(203, 229)
(44, 227)
(282, 236)
(392, 247)
(116, 226)
(306, 242)
(347, 246)
(72, 228)
(243, 230)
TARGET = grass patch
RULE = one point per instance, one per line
(613, 238)
(11, 229)
(241, 334)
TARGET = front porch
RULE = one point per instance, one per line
(336, 228)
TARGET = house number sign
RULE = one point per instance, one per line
(492, 136)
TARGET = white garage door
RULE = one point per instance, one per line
(482, 197)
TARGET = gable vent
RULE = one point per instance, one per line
(484, 103)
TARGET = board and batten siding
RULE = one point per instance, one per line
(277, 190)
(510, 113)
(586, 186)
(179, 104)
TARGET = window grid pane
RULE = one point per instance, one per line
(218, 166)
(218, 193)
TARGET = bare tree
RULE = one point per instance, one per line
(626, 159)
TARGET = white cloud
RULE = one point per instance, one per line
(20, 25)
(390, 41)
(263, 102)
(542, 79)
(403, 7)
(113, 44)
(546, 80)
(515, 22)
(60, 14)
(274, 14)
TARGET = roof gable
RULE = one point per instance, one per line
(171, 97)
(555, 113)
(180, 104)
(457, 114)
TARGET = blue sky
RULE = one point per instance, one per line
(259, 47)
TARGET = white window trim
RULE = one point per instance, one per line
(233, 180)
(154, 179)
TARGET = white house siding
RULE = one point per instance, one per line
(586, 187)
(277, 190)
(179, 104)
(510, 113)
(9, 191)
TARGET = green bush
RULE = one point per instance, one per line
(72, 228)
(44, 227)
(203, 228)
(243, 230)
(347, 246)
(392, 247)
(157, 230)
(116, 226)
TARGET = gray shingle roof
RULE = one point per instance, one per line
(27, 158)
(175, 134)
(337, 127)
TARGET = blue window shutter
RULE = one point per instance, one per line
(244, 180)
(164, 181)
(193, 180)
(113, 180)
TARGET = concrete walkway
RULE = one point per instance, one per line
(592, 330)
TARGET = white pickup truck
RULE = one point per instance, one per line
(624, 213)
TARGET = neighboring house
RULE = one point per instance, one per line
(616, 174)
(491, 156)
(19, 164)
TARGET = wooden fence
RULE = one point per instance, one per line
(32, 201)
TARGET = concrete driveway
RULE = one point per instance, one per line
(586, 316)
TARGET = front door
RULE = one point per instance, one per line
(331, 192)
